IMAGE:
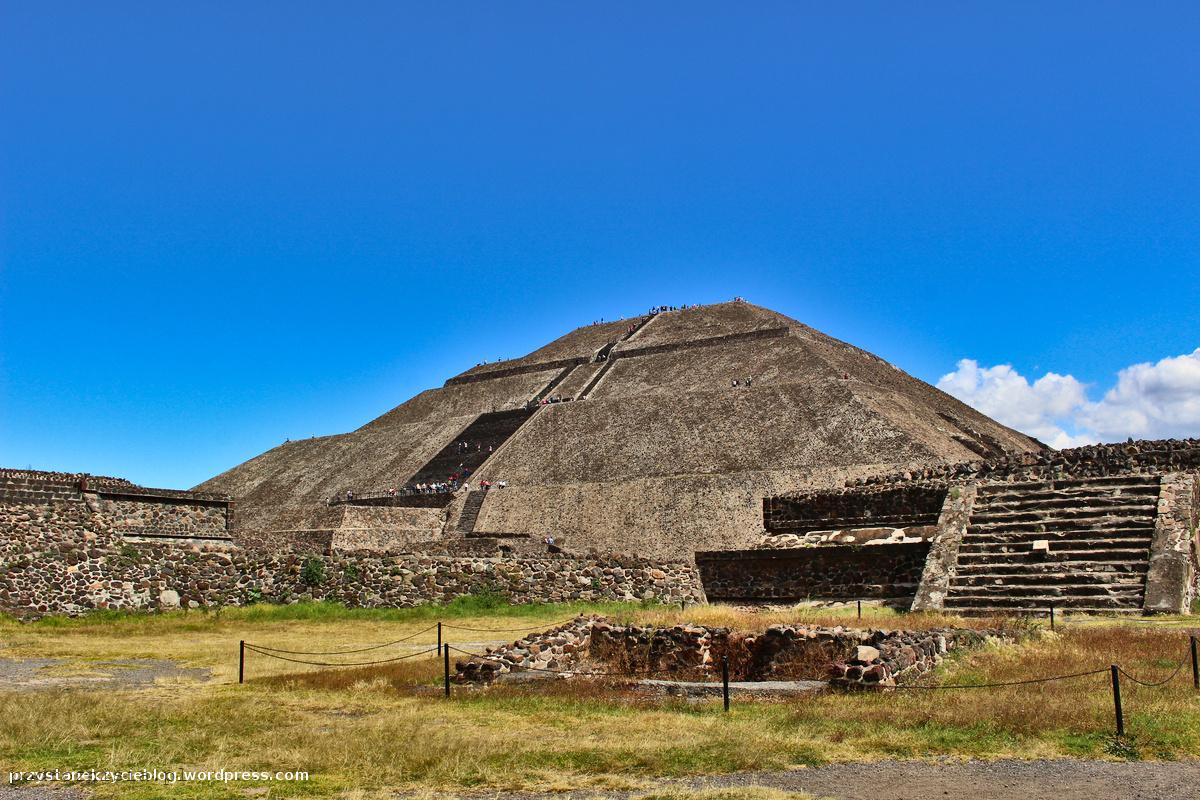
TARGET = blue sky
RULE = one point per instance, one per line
(227, 224)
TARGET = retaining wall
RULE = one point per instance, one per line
(830, 572)
(895, 507)
(122, 505)
(61, 558)
(1144, 456)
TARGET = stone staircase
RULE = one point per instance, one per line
(642, 323)
(488, 430)
(470, 512)
(544, 393)
(1096, 534)
(595, 381)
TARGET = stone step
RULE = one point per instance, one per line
(1042, 611)
(1041, 601)
(1064, 578)
(1147, 504)
(1059, 556)
(1079, 512)
(1049, 495)
(1115, 590)
(1105, 523)
(970, 547)
(470, 511)
(1024, 538)
(1073, 484)
(37, 497)
(1055, 568)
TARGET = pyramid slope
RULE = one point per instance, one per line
(664, 456)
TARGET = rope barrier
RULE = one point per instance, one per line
(261, 647)
(1141, 682)
(334, 664)
(508, 630)
(1007, 683)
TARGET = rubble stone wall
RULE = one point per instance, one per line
(830, 572)
(169, 515)
(1142, 457)
(848, 658)
(64, 558)
(897, 657)
(896, 507)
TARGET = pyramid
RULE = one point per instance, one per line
(651, 450)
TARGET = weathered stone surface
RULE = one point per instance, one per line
(1171, 580)
(61, 557)
(660, 455)
(865, 654)
(943, 553)
(859, 658)
(829, 572)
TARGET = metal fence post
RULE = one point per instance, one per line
(725, 680)
(242, 659)
(1051, 617)
(1195, 665)
(439, 638)
(1116, 686)
(860, 609)
(446, 666)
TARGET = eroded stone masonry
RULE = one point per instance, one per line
(1106, 528)
(848, 658)
(63, 552)
(727, 442)
(1110, 528)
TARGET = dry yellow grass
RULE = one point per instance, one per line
(387, 727)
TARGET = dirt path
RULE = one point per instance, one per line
(932, 780)
(30, 674)
(894, 780)
(986, 780)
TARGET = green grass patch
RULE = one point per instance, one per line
(318, 611)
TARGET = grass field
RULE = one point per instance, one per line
(359, 732)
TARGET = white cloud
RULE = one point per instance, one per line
(1149, 401)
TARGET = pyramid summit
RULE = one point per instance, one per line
(654, 436)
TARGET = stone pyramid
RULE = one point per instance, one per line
(650, 450)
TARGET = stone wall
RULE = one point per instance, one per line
(381, 540)
(893, 507)
(61, 558)
(121, 505)
(1171, 579)
(858, 658)
(1144, 456)
(891, 658)
(833, 572)
(71, 479)
(518, 369)
(169, 516)
(712, 341)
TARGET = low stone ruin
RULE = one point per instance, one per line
(556, 650)
(899, 656)
(846, 657)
